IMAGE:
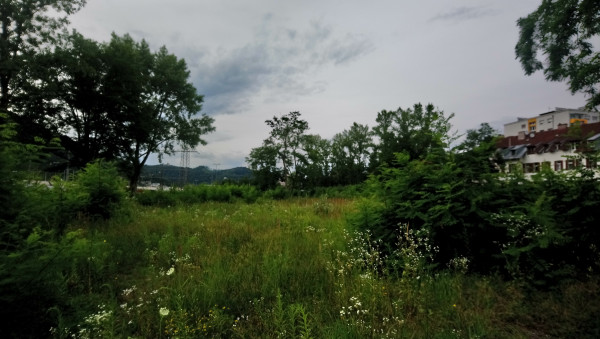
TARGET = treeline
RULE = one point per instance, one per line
(170, 176)
(300, 160)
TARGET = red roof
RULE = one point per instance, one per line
(550, 136)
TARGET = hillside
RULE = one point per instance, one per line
(174, 175)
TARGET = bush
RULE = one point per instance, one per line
(540, 231)
(104, 188)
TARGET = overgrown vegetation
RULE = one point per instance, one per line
(437, 243)
(293, 267)
(540, 232)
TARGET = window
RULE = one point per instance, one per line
(575, 146)
(558, 165)
(591, 163)
(532, 167)
(572, 163)
(576, 116)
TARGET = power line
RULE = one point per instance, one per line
(185, 163)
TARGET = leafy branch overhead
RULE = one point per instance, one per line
(564, 32)
(26, 26)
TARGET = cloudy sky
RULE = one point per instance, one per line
(335, 61)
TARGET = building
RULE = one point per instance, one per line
(552, 148)
(559, 118)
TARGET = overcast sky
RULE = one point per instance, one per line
(335, 61)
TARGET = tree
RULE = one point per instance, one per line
(286, 132)
(313, 168)
(27, 26)
(118, 100)
(66, 97)
(477, 154)
(153, 106)
(415, 131)
(350, 154)
(563, 31)
(263, 162)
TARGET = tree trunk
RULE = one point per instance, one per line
(133, 179)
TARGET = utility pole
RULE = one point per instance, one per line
(185, 163)
(216, 168)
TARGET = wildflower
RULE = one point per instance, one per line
(163, 311)
(171, 271)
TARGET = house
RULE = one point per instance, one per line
(559, 118)
(554, 148)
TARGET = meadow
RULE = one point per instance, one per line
(290, 268)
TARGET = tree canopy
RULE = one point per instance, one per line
(286, 133)
(25, 27)
(564, 32)
(116, 100)
(415, 131)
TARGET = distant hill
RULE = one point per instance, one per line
(170, 175)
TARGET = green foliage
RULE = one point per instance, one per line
(540, 231)
(273, 268)
(415, 132)
(263, 162)
(350, 151)
(194, 194)
(564, 32)
(312, 168)
(115, 101)
(286, 134)
(103, 187)
(281, 147)
(26, 26)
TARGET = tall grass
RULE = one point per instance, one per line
(286, 268)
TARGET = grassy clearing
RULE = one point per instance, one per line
(288, 269)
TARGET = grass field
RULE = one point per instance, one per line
(291, 269)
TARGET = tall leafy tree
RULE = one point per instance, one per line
(119, 100)
(351, 150)
(564, 32)
(263, 162)
(313, 168)
(66, 95)
(415, 131)
(152, 103)
(25, 27)
(286, 133)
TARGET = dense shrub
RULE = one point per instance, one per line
(194, 194)
(104, 189)
(541, 230)
(41, 262)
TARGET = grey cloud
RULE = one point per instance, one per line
(281, 60)
(464, 13)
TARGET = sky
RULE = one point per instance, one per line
(335, 61)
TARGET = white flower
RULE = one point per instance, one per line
(163, 311)
(171, 271)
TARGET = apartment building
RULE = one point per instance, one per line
(553, 148)
(558, 118)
